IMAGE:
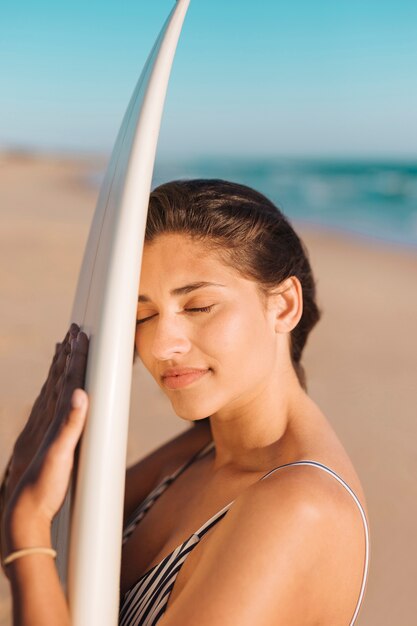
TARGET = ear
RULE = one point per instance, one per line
(286, 305)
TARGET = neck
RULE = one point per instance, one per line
(259, 430)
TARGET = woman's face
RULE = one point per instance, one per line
(232, 341)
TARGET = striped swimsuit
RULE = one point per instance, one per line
(145, 602)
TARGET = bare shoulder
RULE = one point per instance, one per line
(144, 475)
(292, 545)
(312, 491)
(310, 532)
(300, 499)
(306, 479)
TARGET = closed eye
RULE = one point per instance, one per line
(204, 309)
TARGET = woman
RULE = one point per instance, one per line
(256, 515)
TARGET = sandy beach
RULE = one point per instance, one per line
(360, 360)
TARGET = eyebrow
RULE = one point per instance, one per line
(179, 291)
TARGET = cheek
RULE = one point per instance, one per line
(237, 334)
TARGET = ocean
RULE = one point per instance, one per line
(372, 199)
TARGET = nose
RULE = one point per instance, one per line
(169, 339)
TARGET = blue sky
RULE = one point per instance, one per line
(249, 78)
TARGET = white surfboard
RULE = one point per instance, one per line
(87, 532)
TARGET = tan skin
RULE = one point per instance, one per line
(293, 544)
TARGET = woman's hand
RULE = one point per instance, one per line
(43, 410)
(43, 454)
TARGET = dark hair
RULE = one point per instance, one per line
(248, 232)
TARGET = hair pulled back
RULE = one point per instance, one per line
(248, 233)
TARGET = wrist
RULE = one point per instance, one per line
(27, 538)
(27, 562)
(24, 532)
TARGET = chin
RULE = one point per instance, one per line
(202, 421)
(191, 416)
(193, 411)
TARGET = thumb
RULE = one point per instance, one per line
(70, 429)
(76, 417)
(78, 399)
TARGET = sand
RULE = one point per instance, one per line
(360, 360)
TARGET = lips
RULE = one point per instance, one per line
(180, 371)
(182, 379)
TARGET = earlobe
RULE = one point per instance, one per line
(289, 305)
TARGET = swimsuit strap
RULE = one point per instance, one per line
(220, 514)
(146, 504)
(361, 510)
(184, 549)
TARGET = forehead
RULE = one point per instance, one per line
(175, 259)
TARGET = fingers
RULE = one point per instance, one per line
(77, 361)
(57, 368)
(73, 378)
(72, 332)
(70, 432)
(44, 410)
(43, 488)
(64, 369)
(66, 343)
(76, 417)
(53, 386)
(58, 364)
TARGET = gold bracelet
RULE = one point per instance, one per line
(24, 551)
